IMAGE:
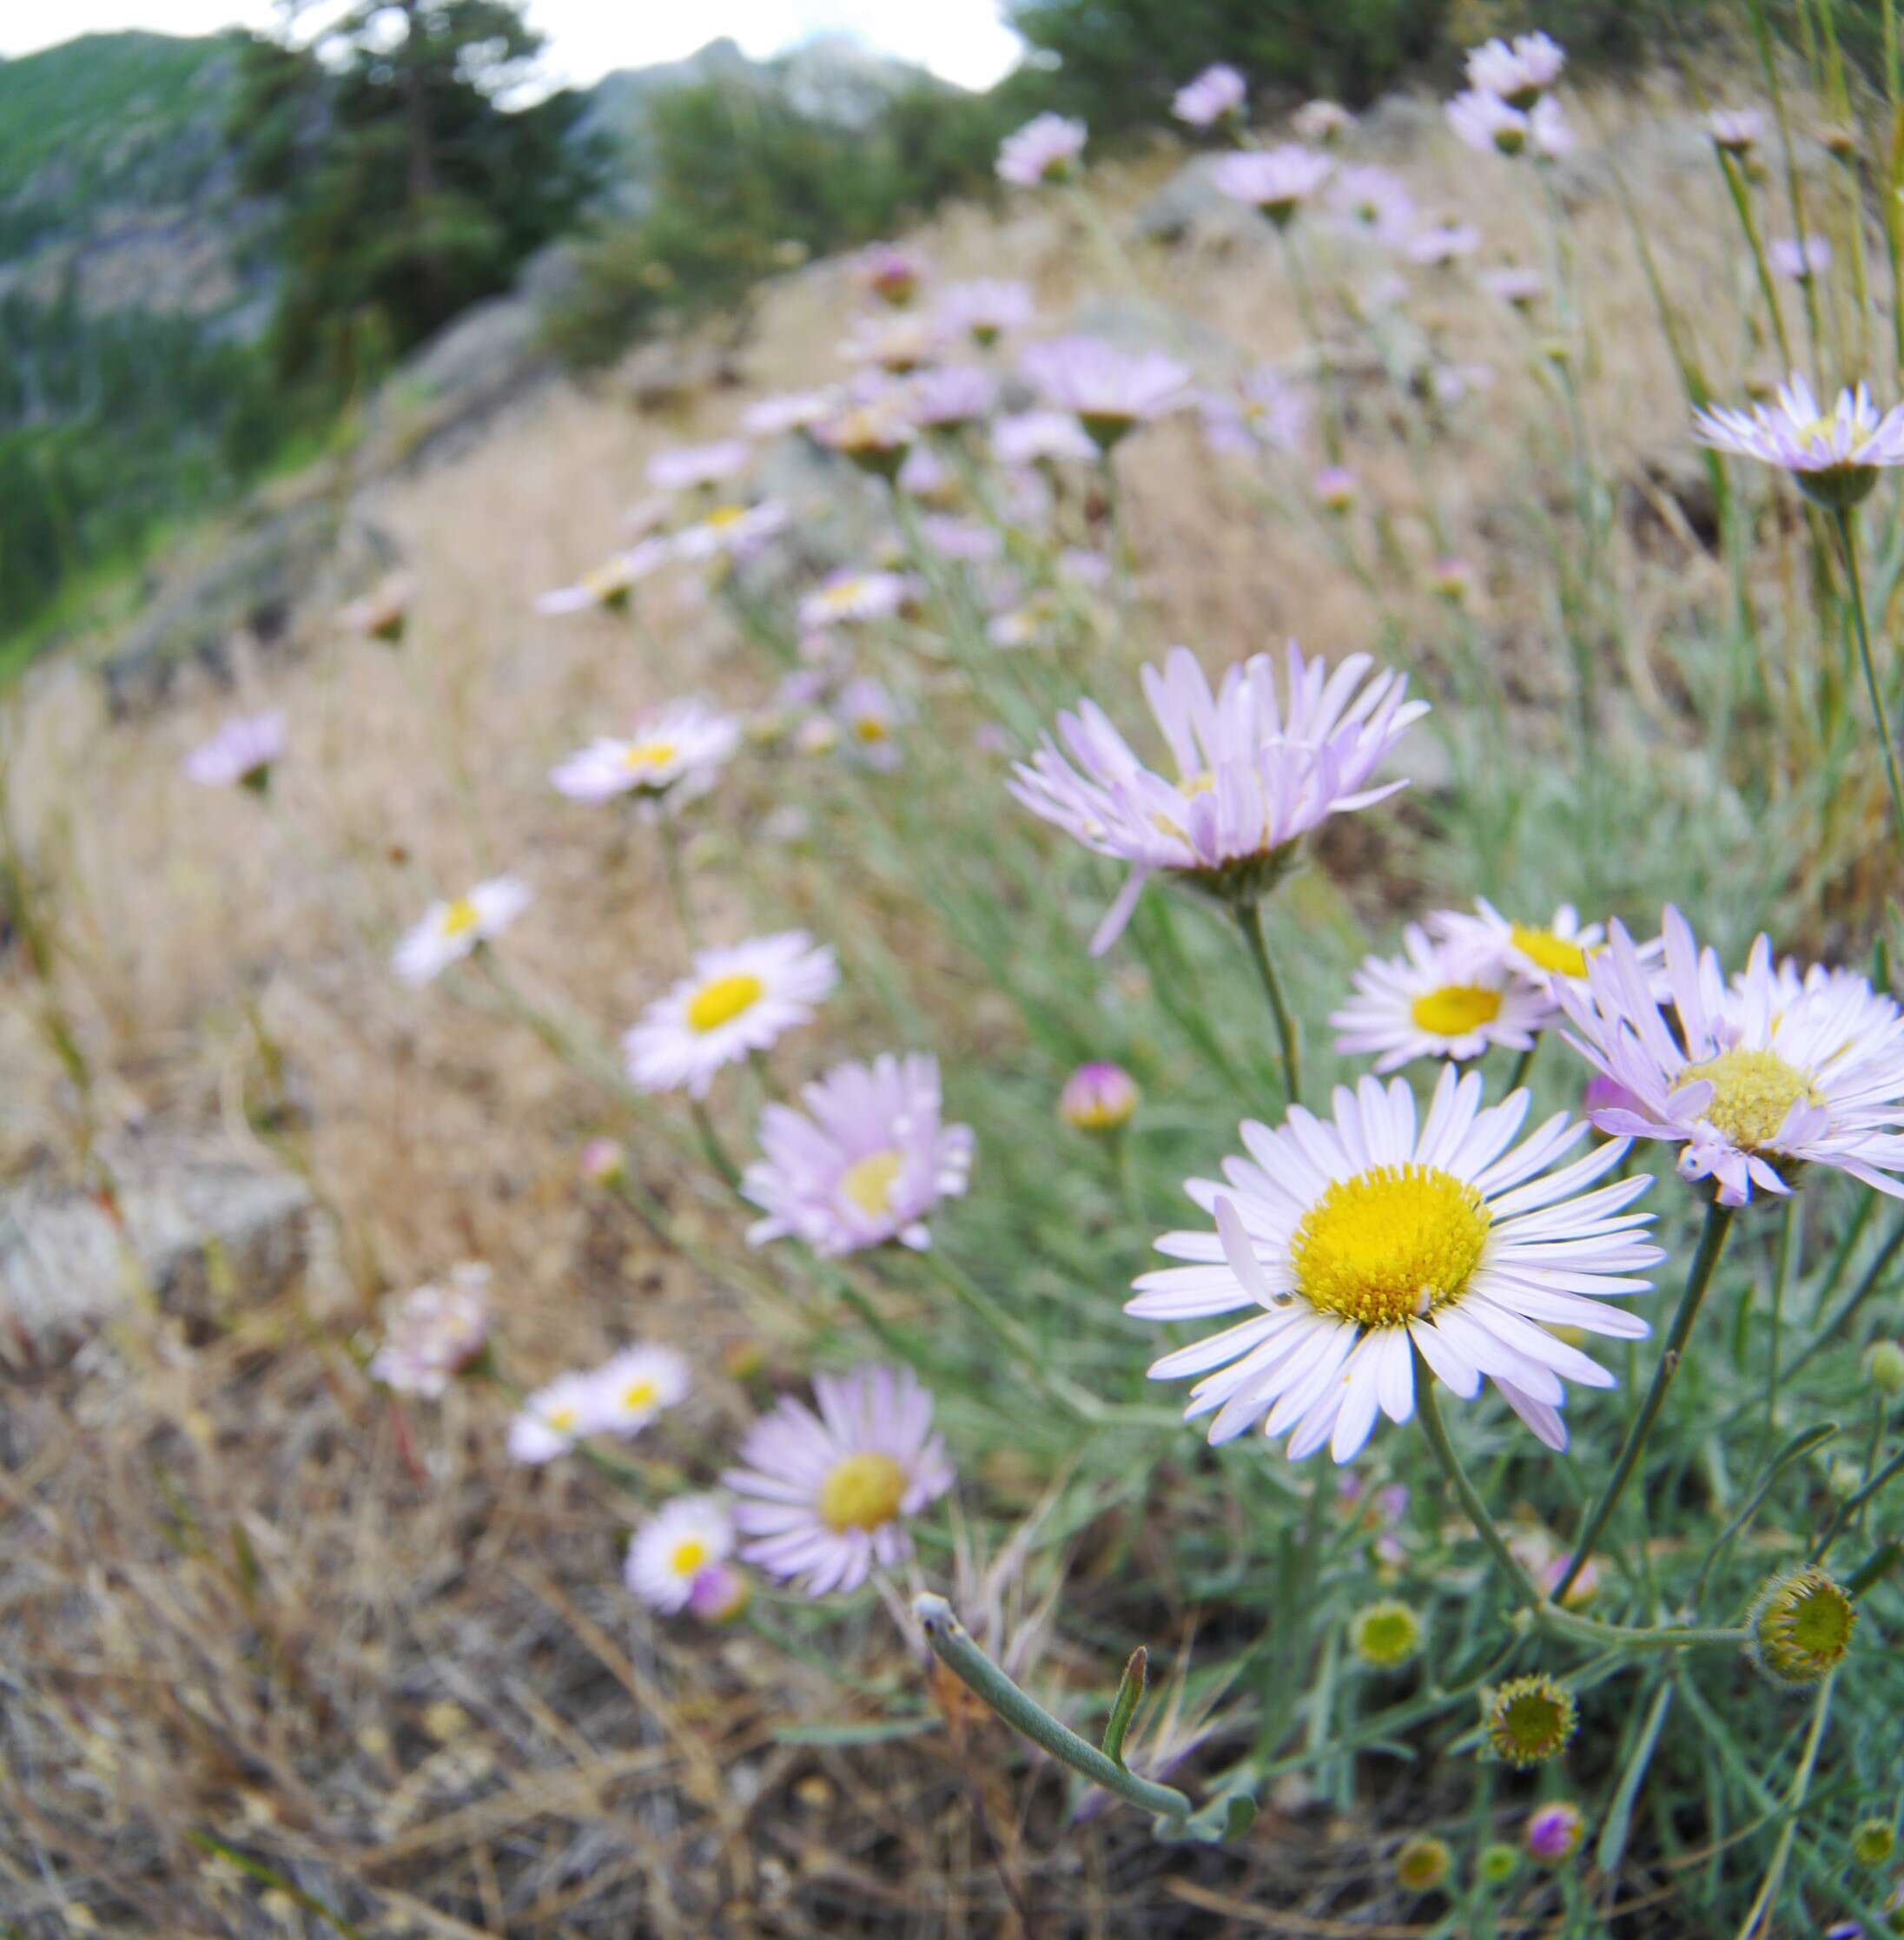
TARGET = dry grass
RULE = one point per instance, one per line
(242, 1597)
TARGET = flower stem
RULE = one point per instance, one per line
(1712, 1239)
(1763, 1904)
(1493, 1541)
(678, 883)
(953, 1646)
(1249, 917)
(1853, 578)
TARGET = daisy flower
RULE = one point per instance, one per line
(969, 541)
(551, 1418)
(240, 755)
(1520, 72)
(1486, 122)
(1277, 182)
(630, 1388)
(1760, 1075)
(1535, 952)
(863, 1164)
(1835, 457)
(449, 931)
(847, 597)
(950, 396)
(1045, 149)
(681, 1542)
(1522, 288)
(384, 612)
(1373, 203)
(434, 1332)
(672, 756)
(1443, 243)
(1108, 391)
(736, 1000)
(826, 1496)
(897, 343)
(1369, 1238)
(1098, 1097)
(984, 310)
(1337, 488)
(869, 715)
(1737, 130)
(730, 532)
(609, 586)
(891, 274)
(689, 466)
(1799, 262)
(788, 411)
(1440, 1000)
(873, 434)
(1254, 772)
(1266, 411)
(1040, 437)
(1216, 94)
(1323, 123)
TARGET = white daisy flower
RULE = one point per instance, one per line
(451, 930)
(736, 1000)
(434, 1332)
(1834, 456)
(551, 1418)
(1366, 1239)
(847, 597)
(788, 411)
(1769, 1072)
(628, 1389)
(675, 1546)
(673, 756)
(1535, 952)
(1441, 999)
(1520, 72)
(732, 531)
(687, 467)
(610, 584)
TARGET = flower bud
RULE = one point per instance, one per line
(718, 1593)
(1884, 1367)
(1872, 1842)
(603, 1162)
(1098, 1098)
(1422, 1863)
(1386, 1634)
(1497, 1864)
(1336, 488)
(1554, 1832)
(1527, 1720)
(1800, 1627)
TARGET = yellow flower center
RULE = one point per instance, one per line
(562, 1417)
(639, 754)
(688, 1556)
(723, 1001)
(639, 1394)
(869, 1182)
(605, 582)
(460, 917)
(1557, 953)
(1752, 1091)
(862, 1492)
(1390, 1243)
(1455, 1009)
(723, 515)
(869, 727)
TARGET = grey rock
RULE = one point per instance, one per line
(197, 1225)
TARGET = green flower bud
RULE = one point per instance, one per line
(1884, 1367)
(1800, 1627)
(1497, 1863)
(1422, 1863)
(1386, 1634)
(1527, 1720)
(1872, 1843)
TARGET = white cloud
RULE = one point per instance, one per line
(963, 40)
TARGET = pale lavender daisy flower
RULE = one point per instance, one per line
(890, 272)
(450, 930)
(1548, 131)
(1439, 999)
(1276, 182)
(1484, 121)
(672, 757)
(770, 417)
(630, 1388)
(1554, 1832)
(950, 396)
(864, 1163)
(1323, 123)
(1737, 130)
(1098, 1097)
(240, 755)
(1046, 148)
(869, 718)
(984, 310)
(434, 1332)
(1256, 772)
(1216, 95)
(1337, 488)
(1366, 1240)
(1799, 262)
(894, 342)
(873, 432)
(969, 541)
(1522, 288)
(1110, 391)
(689, 466)
(1041, 438)
(1520, 72)
(1266, 412)
(736, 1001)
(825, 1497)
(674, 1548)
(1443, 243)
(848, 598)
(552, 1419)
(1762, 1075)
(1374, 202)
(1834, 456)
(732, 531)
(609, 586)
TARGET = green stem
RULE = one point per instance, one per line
(1429, 1409)
(1712, 1241)
(1767, 1898)
(1843, 515)
(1867, 1286)
(1822, 1549)
(711, 1144)
(1249, 917)
(1517, 1077)
(677, 882)
(954, 1647)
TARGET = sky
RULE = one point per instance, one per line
(962, 40)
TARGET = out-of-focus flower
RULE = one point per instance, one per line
(1883, 1365)
(1322, 122)
(894, 343)
(847, 597)
(1255, 772)
(1443, 243)
(1486, 122)
(1098, 1097)
(1799, 262)
(1771, 1071)
(874, 434)
(240, 755)
(602, 1161)
(384, 612)
(1737, 130)
(1266, 411)
(826, 1497)
(788, 411)
(1386, 1634)
(1365, 1241)
(434, 1332)
(1423, 1863)
(1554, 1832)
(552, 1419)
(1536, 953)
(450, 930)
(1522, 288)
(1040, 437)
(1276, 182)
(669, 1551)
(1046, 148)
(890, 273)
(984, 310)
(1336, 488)
(864, 1163)
(672, 757)
(1873, 1841)
(736, 1001)
(1373, 203)
(630, 1388)
(1527, 1720)
(869, 718)
(1519, 71)
(732, 531)
(1216, 95)
(610, 584)
(1440, 1000)
(969, 541)
(718, 1593)
(950, 396)
(1109, 391)
(1452, 580)
(1834, 456)
(687, 467)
